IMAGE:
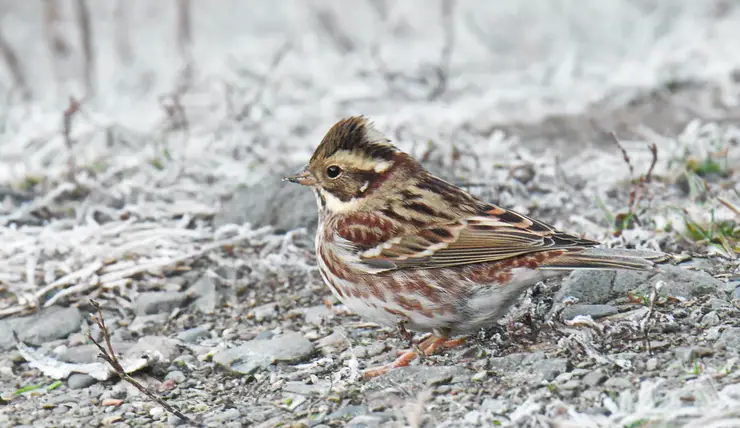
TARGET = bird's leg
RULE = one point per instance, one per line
(405, 334)
(427, 347)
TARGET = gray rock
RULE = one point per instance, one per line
(618, 382)
(600, 287)
(710, 319)
(422, 375)
(158, 348)
(595, 311)
(736, 293)
(49, 324)
(689, 354)
(373, 420)
(89, 353)
(259, 354)
(317, 314)
(192, 335)
(730, 339)
(652, 364)
(80, 380)
(334, 343)
(205, 293)
(571, 385)
(594, 378)
(495, 406)
(142, 322)
(176, 376)
(265, 312)
(155, 302)
(550, 368)
(347, 412)
(218, 418)
(286, 206)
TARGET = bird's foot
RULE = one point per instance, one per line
(427, 347)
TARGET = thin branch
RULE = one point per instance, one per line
(442, 70)
(109, 355)
(184, 42)
(14, 66)
(123, 44)
(68, 116)
(83, 21)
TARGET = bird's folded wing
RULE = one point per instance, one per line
(474, 239)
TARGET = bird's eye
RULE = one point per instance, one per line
(333, 171)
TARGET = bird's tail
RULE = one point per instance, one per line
(608, 259)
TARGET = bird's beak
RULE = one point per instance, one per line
(303, 176)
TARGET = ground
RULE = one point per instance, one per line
(154, 192)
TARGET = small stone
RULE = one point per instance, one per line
(480, 376)
(192, 335)
(372, 420)
(736, 293)
(689, 354)
(259, 354)
(710, 319)
(317, 314)
(618, 382)
(730, 339)
(156, 302)
(264, 335)
(205, 293)
(495, 406)
(549, 369)
(334, 343)
(176, 375)
(594, 378)
(594, 311)
(264, 312)
(143, 322)
(716, 303)
(571, 385)
(156, 412)
(652, 364)
(347, 412)
(221, 417)
(80, 380)
(442, 379)
(49, 324)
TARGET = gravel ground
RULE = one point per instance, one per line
(162, 203)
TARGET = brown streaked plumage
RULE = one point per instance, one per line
(400, 246)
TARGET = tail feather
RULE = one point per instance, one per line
(608, 259)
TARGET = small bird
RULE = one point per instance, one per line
(403, 248)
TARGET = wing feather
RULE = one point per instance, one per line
(497, 234)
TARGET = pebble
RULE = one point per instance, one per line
(601, 287)
(372, 420)
(730, 339)
(50, 324)
(334, 343)
(594, 311)
(317, 314)
(480, 376)
(156, 302)
(689, 354)
(618, 382)
(347, 412)
(264, 313)
(80, 380)
(192, 335)
(176, 376)
(594, 378)
(571, 385)
(259, 354)
(205, 292)
(652, 364)
(710, 319)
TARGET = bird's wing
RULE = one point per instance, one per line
(494, 234)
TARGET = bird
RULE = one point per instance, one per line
(404, 248)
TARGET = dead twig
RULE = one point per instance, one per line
(67, 117)
(14, 66)
(83, 21)
(645, 323)
(184, 41)
(123, 44)
(443, 68)
(109, 355)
